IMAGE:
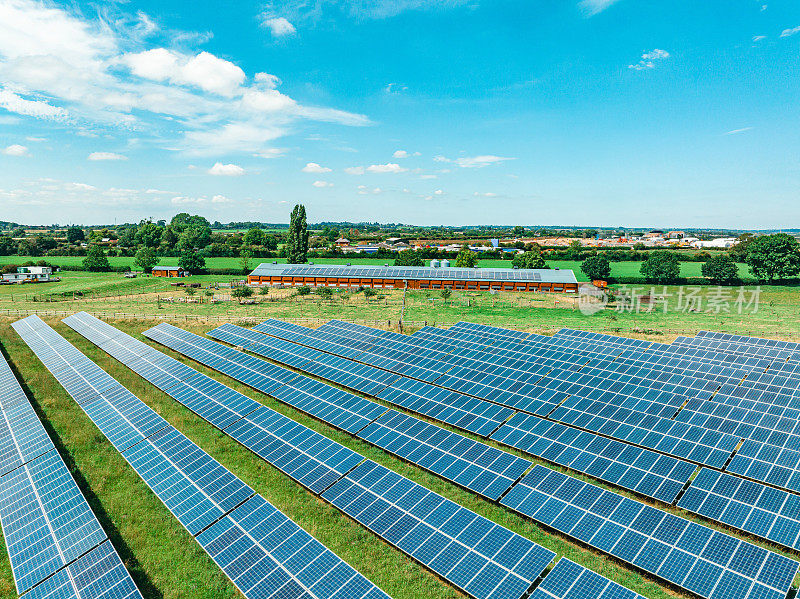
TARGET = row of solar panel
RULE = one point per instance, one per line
(55, 543)
(551, 446)
(494, 564)
(634, 468)
(263, 552)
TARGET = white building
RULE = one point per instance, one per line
(720, 242)
(29, 274)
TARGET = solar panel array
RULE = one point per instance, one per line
(263, 552)
(480, 557)
(250, 430)
(699, 559)
(53, 538)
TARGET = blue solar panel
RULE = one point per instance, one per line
(98, 574)
(480, 557)
(773, 465)
(763, 511)
(267, 555)
(203, 495)
(471, 464)
(568, 580)
(640, 470)
(706, 562)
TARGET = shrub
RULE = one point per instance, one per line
(304, 290)
(324, 292)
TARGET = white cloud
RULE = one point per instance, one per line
(792, 31)
(592, 7)
(438, 192)
(488, 194)
(477, 161)
(271, 153)
(355, 170)
(758, 38)
(322, 184)
(94, 156)
(737, 131)
(304, 10)
(364, 190)
(313, 167)
(15, 150)
(220, 199)
(226, 170)
(278, 26)
(428, 176)
(57, 65)
(83, 186)
(400, 154)
(649, 60)
(386, 168)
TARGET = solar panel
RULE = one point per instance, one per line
(98, 574)
(267, 555)
(476, 466)
(766, 463)
(480, 557)
(706, 562)
(639, 470)
(307, 456)
(46, 521)
(763, 511)
(568, 580)
(202, 495)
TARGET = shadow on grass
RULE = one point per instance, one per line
(143, 582)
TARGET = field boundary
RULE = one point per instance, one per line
(388, 324)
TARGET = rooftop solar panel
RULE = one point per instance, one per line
(480, 557)
(708, 563)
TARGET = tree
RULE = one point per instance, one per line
(127, 237)
(303, 290)
(739, 250)
(720, 270)
(596, 267)
(184, 220)
(254, 237)
(661, 267)
(325, 292)
(75, 234)
(446, 293)
(95, 260)
(466, 258)
(190, 291)
(191, 261)
(244, 259)
(531, 259)
(297, 238)
(408, 258)
(519, 231)
(149, 234)
(146, 259)
(772, 257)
(574, 251)
(169, 238)
(194, 237)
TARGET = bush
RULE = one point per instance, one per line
(324, 292)
(242, 292)
(446, 293)
(369, 292)
(304, 290)
(532, 259)
(596, 268)
(96, 260)
(264, 291)
(408, 258)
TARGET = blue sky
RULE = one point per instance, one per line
(573, 112)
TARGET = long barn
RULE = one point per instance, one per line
(413, 277)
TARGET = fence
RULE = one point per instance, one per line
(395, 324)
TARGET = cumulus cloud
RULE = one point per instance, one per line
(313, 167)
(15, 150)
(60, 66)
(593, 7)
(278, 26)
(322, 184)
(649, 60)
(226, 170)
(390, 167)
(355, 170)
(400, 154)
(96, 156)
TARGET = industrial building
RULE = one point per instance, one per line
(29, 274)
(414, 277)
(169, 271)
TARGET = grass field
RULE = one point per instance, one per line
(163, 558)
(618, 269)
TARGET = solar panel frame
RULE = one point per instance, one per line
(568, 580)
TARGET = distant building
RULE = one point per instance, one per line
(169, 271)
(29, 274)
(676, 235)
(413, 277)
(719, 242)
(342, 241)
